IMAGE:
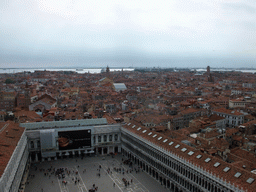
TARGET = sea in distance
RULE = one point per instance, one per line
(78, 70)
(99, 70)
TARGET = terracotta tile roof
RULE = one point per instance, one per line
(189, 110)
(8, 142)
(228, 111)
(24, 116)
(232, 131)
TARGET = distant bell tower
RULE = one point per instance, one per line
(209, 75)
(107, 72)
(107, 69)
(208, 69)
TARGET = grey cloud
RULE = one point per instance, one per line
(34, 36)
(240, 7)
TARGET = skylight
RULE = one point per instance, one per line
(190, 153)
(144, 131)
(250, 180)
(133, 126)
(198, 156)
(207, 160)
(129, 123)
(165, 140)
(226, 169)
(171, 143)
(217, 164)
(154, 135)
(160, 138)
(150, 133)
(238, 174)
(177, 146)
(184, 149)
(139, 128)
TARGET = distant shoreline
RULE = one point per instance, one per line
(218, 68)
(101, 69)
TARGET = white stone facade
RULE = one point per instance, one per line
(11, 178)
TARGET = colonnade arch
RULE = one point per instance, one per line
(168, 171)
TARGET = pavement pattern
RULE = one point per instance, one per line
(106, 173)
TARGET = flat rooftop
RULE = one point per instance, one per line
(66, 123)
(141, 182)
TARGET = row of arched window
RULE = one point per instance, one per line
(169, 166)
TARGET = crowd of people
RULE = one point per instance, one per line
(64, 174)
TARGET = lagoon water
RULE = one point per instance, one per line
(98, 70)
(78, 70)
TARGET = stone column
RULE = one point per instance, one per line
(96, 140)
(36, 157)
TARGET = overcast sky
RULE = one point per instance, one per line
(174, 33)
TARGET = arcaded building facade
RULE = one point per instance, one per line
(14, 156)
(51, 140)
(180, 167)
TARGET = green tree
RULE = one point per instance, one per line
(9, 81)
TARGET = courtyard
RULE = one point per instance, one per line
(91, 173)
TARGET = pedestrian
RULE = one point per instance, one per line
(114, 184)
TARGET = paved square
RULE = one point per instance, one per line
(104, 172)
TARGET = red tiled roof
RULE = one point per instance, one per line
(9, 137)
(228, 111)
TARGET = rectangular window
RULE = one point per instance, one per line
(38, 143)
(110, 137)
(32, 144)
(116, 137)
(99, 139)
